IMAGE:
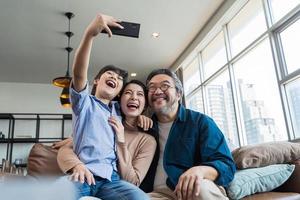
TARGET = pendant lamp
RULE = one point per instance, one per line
(65, 102)
(64, 81)
(65, 94)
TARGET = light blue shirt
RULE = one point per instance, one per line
(94, 138)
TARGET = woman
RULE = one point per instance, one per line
(135, 148)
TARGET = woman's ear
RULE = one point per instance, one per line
(95, 81)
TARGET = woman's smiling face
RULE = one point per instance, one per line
(133, 100)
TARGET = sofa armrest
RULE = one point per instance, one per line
(273, 196)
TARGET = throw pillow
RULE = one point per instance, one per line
(42, 161)
(266, 154)
(251, 181)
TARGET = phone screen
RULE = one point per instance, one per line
(130, 29)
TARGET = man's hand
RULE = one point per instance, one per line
(102, 22)
(145, 122)
(118, 127)
(80, 173)
(189, 184)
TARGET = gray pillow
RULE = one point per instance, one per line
(263, 179)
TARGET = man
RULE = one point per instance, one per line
(194, 161)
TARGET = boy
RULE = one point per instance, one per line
(93, 137)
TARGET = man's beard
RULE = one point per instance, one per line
(170, 106)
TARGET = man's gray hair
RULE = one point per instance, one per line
(178, 84)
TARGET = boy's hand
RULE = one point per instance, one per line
(118, 127)
(102, 22)
(80, 173)
(145, 122)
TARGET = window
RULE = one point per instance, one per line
(281, 7)
(290, 39)
(214, 55)
(251, 88)
(191, 76)
(221, 107)
(293, 94)
(259, 96)
(246, 26)
(196, 102)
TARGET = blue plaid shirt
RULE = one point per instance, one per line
(94, 138)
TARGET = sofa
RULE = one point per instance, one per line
(267, 171)
(42, 161)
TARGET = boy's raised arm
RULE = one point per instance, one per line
(82, 54)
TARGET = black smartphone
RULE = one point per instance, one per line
(130, 29)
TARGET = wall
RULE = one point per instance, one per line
(30, 98)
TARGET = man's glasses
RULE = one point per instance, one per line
(163, 87)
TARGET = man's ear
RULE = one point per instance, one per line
(178, 95)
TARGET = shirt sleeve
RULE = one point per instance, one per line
(133, 168)
(215, 152)
(78, 98)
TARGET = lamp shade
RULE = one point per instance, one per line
(63, 81)
(65, 93)
(65, 102)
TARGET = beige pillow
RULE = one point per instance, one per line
(42, 161)
(266, 154)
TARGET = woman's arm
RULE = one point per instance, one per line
(133, 168)
(69, 163)
(66, 158)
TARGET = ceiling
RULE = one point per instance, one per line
(32, 39)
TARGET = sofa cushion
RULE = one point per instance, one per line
(263, 179)
(266, 154)
(42, 161)
(293, 183)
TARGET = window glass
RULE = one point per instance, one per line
(293, 94)
(214, 55)
(221, 107)
(290, 39)
(195, 102)
(191, 76)
(246, 26)
(282, 7)
(259, 94)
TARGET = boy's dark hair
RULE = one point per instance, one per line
(113, 68)
(141, 84)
